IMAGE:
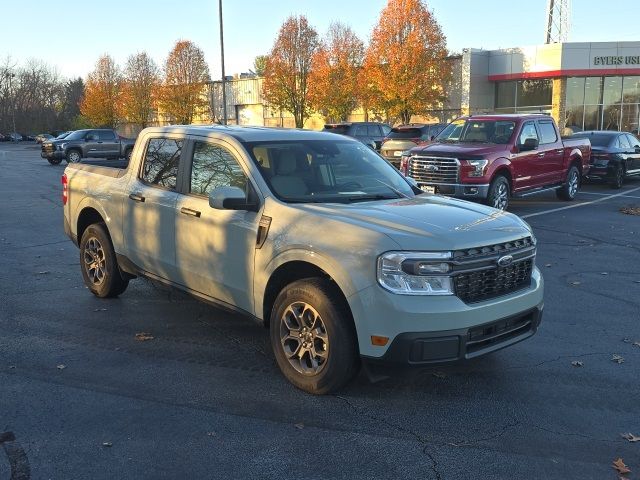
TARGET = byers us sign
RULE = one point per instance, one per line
(617, 60)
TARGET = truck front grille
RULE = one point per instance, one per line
(486, 336)
(491, 283)
(434, 169)
(47, 148)
(477, 275)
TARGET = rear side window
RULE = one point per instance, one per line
(385, 129)
(361, 131)
(92, 137)
(161, 162)
(374, 130)
(340, 129)
(405, 133)
(547, 132)
(596, 140)
(106, 135)
(214, 166)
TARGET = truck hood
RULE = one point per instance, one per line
(461, 150)
(428, 222)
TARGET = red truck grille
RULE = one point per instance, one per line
(434, 169)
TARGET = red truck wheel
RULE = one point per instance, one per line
(569, 190)
(499, 193)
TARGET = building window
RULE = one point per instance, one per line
(524, 96)
(506, 95)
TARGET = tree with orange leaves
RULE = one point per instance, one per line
(100, 101)
(182, 95)
(288, 66)
(406, 60)
(139, 88)
(333, 83)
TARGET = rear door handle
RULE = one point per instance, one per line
(560, 150)
(190, 211)
(136, 197)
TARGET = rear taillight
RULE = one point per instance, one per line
(65, 189)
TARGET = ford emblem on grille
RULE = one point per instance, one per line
(431, 168)
(505, 261)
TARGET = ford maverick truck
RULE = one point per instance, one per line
(96, 143)
(314, 235)
(492, 158)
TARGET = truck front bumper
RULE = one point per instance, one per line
(56, 154)
(425, 330)
(458, 190)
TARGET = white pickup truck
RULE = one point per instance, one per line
(313, 234)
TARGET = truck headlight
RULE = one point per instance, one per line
(415, 273)
(478, 167)
(62, 146)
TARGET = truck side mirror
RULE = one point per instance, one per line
(230, 198)
(529, 144)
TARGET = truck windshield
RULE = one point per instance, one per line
(477, 131)
(325, 171)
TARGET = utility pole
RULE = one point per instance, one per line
(9, 76)
(224, 82)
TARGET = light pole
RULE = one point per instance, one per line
(224, 83)
(9, 76)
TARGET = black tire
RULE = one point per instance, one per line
(73, 156)
(54, 161)
(98, 263)
(618, 178)
(569, 190)
(321, 307)
(499, 193)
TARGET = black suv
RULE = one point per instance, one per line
(614, 155)
(369, 133)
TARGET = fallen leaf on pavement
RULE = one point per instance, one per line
(143, 336)
(636, 343)
(61, 367)
(630, 210)
(575, 283)
(626, 340)
(299, 426)
(100, 310)
(604, 273)
(43, 272)
(107, 444)
(439, 374)
(11, 367)
(631, 437)
(211, 434)
(577, 363)
(620, 466)
(548, 265)
(617, 358)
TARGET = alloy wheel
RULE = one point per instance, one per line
(95, 261)
(573, 183)
(304, 338)
(501, 197)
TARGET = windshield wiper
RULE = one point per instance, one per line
(365, 198)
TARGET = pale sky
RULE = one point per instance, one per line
(71, 34)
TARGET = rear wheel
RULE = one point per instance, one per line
(570, 189)
(98, 263)
(618, 178)
(313, 336)
(499, 193)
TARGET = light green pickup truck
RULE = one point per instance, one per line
(316, 236)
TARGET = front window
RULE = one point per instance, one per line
(77, 135)
(214, 166)
(477, 131)
(319, 171)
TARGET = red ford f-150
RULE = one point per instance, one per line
(495, 157)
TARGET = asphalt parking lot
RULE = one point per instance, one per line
(81, 398)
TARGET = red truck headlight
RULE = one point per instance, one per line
(479, 167)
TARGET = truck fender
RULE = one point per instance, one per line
(500, 165)
(89, 202)
(317, 259)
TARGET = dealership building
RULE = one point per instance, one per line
(584, 86)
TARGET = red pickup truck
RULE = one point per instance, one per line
(495, 157)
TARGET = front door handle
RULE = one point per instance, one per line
(136, 197)
(190, 211)
(540, 155)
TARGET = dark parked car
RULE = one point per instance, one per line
(369, 133)
(96, 143)
(615, 155)
(405, 137)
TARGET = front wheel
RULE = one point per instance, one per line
(98, 263)
(618, 178)
(54, 161)
(313, 336)
(499, 192)
(127, 154)
(570, 189)
(73, 156)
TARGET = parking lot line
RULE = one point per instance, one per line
(606, 194)
(553, 210)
